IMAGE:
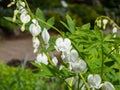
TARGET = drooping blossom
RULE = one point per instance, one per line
(107, 86)
(63, 44)
(105, 21)
(55, 61)
(20, 5)
(42, 58)
(114, 31)
(36, 44)
(34, 28)
(45, 37)
(64, 4)
(25, 18)
(94, 81)
(79, 66)
(70, 56)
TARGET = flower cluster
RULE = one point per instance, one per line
(94, 82)
(35, 29)
(70, 55)
(24, 16)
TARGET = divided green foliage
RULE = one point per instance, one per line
(70, 24)
(42, 19)
(96, 49)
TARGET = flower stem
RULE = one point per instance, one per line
(102, 62)
(49, 59)
(87, 86)
(33, 16)
(109, 20)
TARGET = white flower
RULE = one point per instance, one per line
(79, 66)
(63, 44)
(34, 28)
(25, 18)
(20, 4)
(73, 57)
(23, 11)
(70, 56)
(107, 86)
(105, 21)
(42, 58)
(55, 61)
(36, 44)
(94, 81)
(114, 30)
(45, 36)
(64, 4)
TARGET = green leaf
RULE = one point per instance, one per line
(65, 25)
(11, 20)
(40, 14)
(85, 26)
(71, 23)
(45, 69)
(108, 37)
(50, 21)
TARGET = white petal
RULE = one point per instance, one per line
(114, 30)
(74, 55)
(107, 86)
(67, 42)
(34, 21)
(20, 4)
(35, 29)
(64, 4)
(105, 21)
(25, 18)
(79, 66)
(59, 41)
(45, 36)
(23, 11)
(94, 80)
(36, 44)
(42, 58)
(55, 61)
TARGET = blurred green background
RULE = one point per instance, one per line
(83, 11)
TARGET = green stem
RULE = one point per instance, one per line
(112, 51)
(33, 16)
(49, 25)
(87, 86)
(109, 20)
(102, 65)
(68, 85)
(28, 8)
(50, 61)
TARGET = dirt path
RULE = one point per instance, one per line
(19, 48)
